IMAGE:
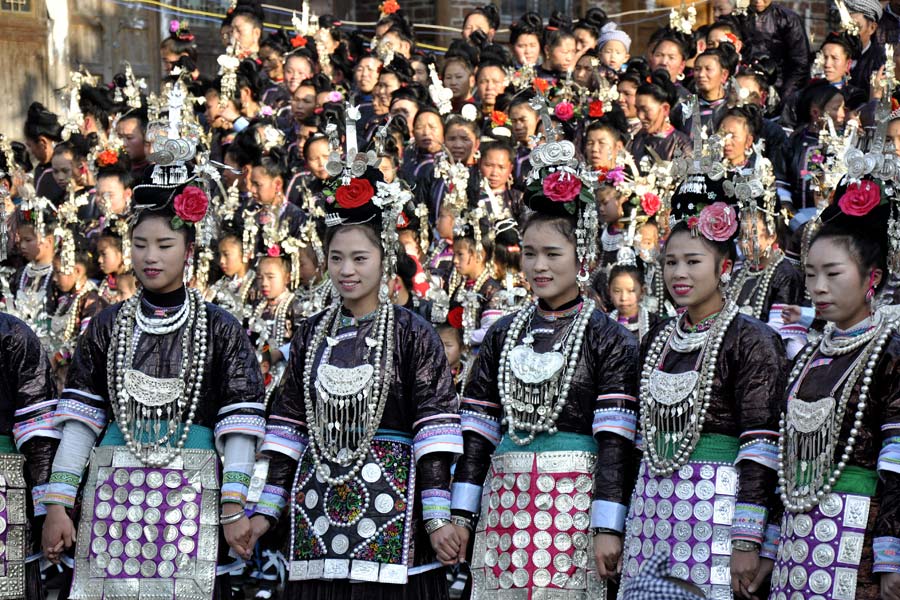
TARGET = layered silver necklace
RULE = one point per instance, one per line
(345, 405)
(810, 431)
(674, 405)
(534, 387)
(149, 410)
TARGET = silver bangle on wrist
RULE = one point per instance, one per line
(229, 519)
(433, 525)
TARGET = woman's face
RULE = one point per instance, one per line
(584, 71)
(549, 263)
(381, 95)
(562, 56)
(266, 190)
(737, 140)
(66, 169)
(366, 74)
(601, 149)
(459, 80)
(159, 255)
(584, 41)
(169, 60)
(837, 62)
(496, 168)
(893, 133)
(41, 149)
(246, 33)
(303, 102)
(652, 113)
(388, 169)
(461, 143)
(272, 62)
(468, 261)
(710, 77)
(836, 109)
(627, 98)
(490, 83)
(477, 21)
(691, 270)
(429, 132)
(316, 157)
(354, 264)
(444, 225)
(524, 121)
(667, 55)
(408, 109)
(527, 49)
(609, 205)
(420, 72)
(756, 93)
(231, 257)
(452, 348)
(835, 284)
(296, 70)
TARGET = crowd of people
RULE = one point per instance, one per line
(532, 318)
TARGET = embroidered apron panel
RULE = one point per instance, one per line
(13, 517)
(533, 539)
(359, 530)
(148, 533)
(820, 551)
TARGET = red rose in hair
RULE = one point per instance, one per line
(860, 198)
(355, 194)
(299, 41)
(564, 111)
(191, 204)
(389, 7)
(540, 85)
(650, 204)
(107, 158)
(273, 251)
(595, 109)
(498, 118)
(455, 317)
(560, 186)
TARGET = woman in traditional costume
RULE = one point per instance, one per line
(27, 443)
(551, 392)
(838, 447)
(709, 403)
(147, 387)
(369, 412)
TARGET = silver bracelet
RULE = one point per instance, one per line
(433, 525)
(229, 519)
(461, 521)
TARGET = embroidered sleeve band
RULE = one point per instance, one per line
(71, 409)
(608, 515)
(438, 438)
(435, 504)
(38, 493)
(35, 421)
(887, 555)
(759, 446)
(770, 542)
(62, 489)
(467, 497)
(271, 502)
(483, 425)
(251, 425)
(889, 457)
(616, 413)
(749, 522)
(284, 438)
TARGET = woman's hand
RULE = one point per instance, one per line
(238, 534)
(748, 572)
(890, 586)
(445, 542)
(791, 314)
(259, 525)
(58, 533)
(608, 554)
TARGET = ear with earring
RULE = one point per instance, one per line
(725, 275)
(870, 294)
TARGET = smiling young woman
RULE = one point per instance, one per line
(839, 436)
(145, 387)
(368, 415)
(552, 385)
(709, 394)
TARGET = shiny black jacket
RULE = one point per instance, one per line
(781, 35)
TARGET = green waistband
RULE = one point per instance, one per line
(544, 442)
(857, 480)
(7, 446)
(199, 437)
(712, 447)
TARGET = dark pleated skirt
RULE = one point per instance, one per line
(431, 585)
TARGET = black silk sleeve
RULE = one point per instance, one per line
(885, 400)
(612, 353)
(760, 367)
(480, 409)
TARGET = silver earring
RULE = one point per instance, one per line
(725, 278)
